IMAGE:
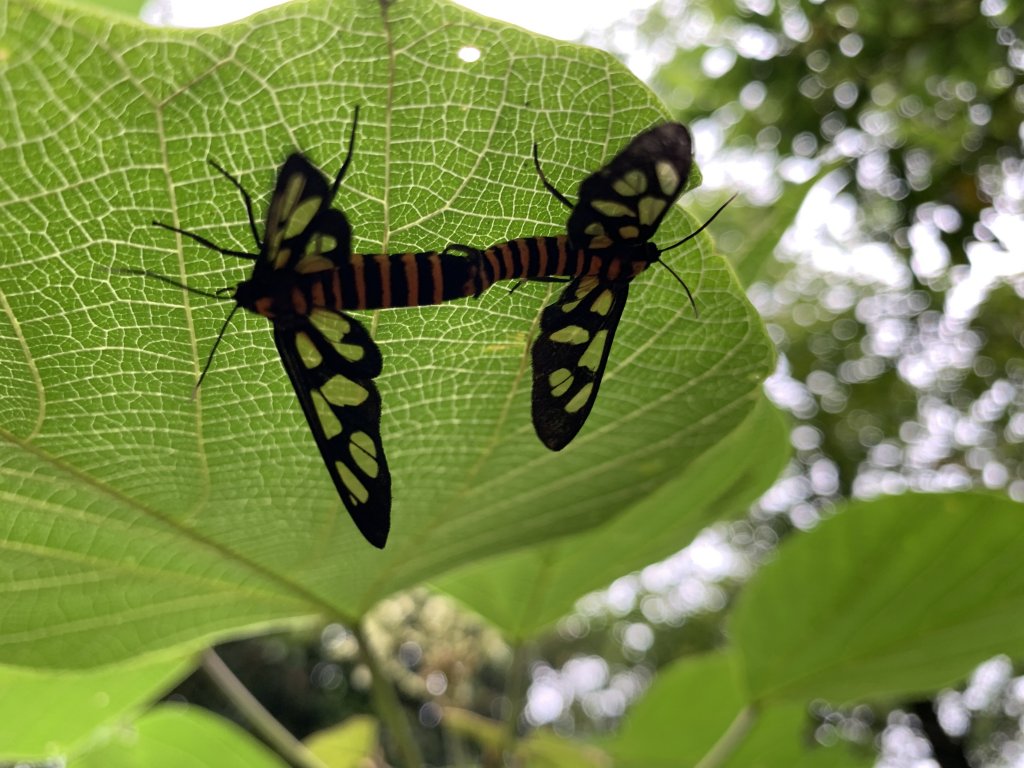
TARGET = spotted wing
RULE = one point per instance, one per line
(570, 354)
(332, 361)
(622, 204)
(303, 232)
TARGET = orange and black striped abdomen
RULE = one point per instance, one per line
(384, 281)
(528, 258)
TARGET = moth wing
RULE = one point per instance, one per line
(332, 361)
(303, 232)
(570, 355)
(623, 203)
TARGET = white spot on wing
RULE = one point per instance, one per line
(668, 177)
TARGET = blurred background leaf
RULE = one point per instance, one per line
(180, 736)
(46, 714)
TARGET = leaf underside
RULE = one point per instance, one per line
(133, 517)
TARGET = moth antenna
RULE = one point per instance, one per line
(245, 198)
(547, 184)
(219, 295)
(702, 227)
(348, 157)
(696, 312)
(207, 243)
(216, 343)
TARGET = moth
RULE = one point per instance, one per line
(304, 279)
(607, 244)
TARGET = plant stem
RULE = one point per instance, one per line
(947, 751)
(389, 708)
(279, 737)
(515, 693)
(730, 740)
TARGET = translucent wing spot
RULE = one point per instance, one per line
(587, 284)
(291, 194)
(603, 303)
(560, 381)
(611, 208)
(310, 355)
(631, 184)
(594, 228)
(601, 241)
(592, 357)
(341, 391)
(331, 324)
(327, 243)
(571, 334)
(668, 177)
(328, 421)
(282, 254)
(274, 241)
(314, 263)
(321, 243)
(351, 352)
(364, 453)
(580, 399)
(629, 233)
(302, 216)
(355, 488)
(650, 209)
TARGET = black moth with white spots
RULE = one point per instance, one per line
(617, 212)
(303, 256)
(304, 278)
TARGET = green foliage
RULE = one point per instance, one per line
(144, 519)
(891, 598)
(177, 736)
(696, 710)
(524, 591)
(54, 712)
(807, 71)
(905, 374)
(136, 519)
(347, 745)
(926, 147)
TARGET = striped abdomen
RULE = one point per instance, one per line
(373, 281)
(535, 257)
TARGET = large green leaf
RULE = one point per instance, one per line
(687, 709)
(46, 714)
(524, 591)
(541, 748)
(133, 517)
(696, 711)
(894, 597)
(178, 736)
(129, 7)
(351, 743)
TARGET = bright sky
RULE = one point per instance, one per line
(565, 19)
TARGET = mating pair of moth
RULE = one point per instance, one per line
(305, 279)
